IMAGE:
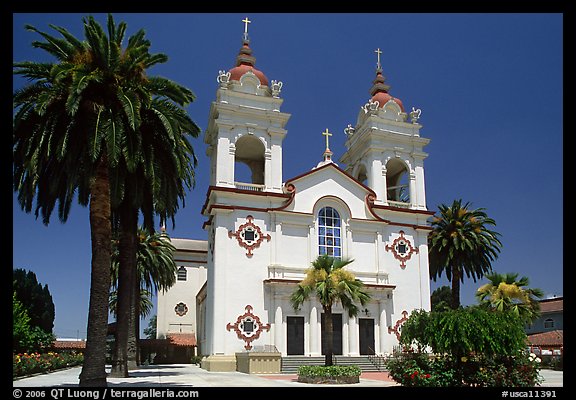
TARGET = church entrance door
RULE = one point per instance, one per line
(295, 336)
(336, 334)
(366, 326)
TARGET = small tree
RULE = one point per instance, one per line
(330, 283)
(472, 346)
(150, 331)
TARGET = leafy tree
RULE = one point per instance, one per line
(77, 130)
(441, 298)
(20, 326)
(461, 244)
(150, 331)
(505, 293)
(35, 298)
(471, 346)
(25, 337)
(330, 283)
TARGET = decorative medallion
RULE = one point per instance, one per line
(398, 326)
(402, 249)
(181, 309)
(249, 235)
(248, 327)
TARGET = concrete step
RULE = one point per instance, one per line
(290, 364)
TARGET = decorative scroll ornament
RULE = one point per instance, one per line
(371, 106)
(248, 327)
(402, 249)
(276, 88)
(223, 78)
(397, 329)
(415, 115)
(349, 130)
(249, 236)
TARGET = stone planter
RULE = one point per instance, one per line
(258, 362)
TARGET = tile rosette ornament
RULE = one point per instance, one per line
(249, 235)
(248, 327)
(402, 249)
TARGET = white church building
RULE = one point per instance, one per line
(233, 290)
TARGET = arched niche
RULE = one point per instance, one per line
(250, 152)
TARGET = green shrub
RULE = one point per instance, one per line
(318, 371)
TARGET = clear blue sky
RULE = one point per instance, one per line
(490, 87)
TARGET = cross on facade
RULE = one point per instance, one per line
(246, 22)
(378, 52)
(327, 134)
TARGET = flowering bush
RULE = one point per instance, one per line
(420, 369)
(26, 364)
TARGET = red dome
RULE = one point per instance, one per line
(237, 72)
(383, 98)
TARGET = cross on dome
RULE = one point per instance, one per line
(246, 22)
(378, 52)
(327, 134)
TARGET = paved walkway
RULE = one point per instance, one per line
(192, 375)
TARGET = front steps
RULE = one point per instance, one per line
(290, 364)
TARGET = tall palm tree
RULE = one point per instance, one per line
(330, 283)
(156, 187)
(77, 131)
(461, 244)
(505, 293)
(155, 270)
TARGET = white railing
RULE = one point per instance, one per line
(249, 186)
(399, 204)
(286, 272)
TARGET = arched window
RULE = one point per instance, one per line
(329, 232)
(182, 274)
(548, 323)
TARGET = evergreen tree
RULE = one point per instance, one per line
(35, 298)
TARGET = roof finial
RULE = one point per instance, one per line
(246, 22)
(378, 52)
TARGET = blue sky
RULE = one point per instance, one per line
(490, 88)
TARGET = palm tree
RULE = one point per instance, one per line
(505, 293)
(156, 187)
(77, 131)
(331, 284)
(155, 270)
(461, 244)
(145, 299)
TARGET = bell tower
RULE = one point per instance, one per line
(246, 126)
(385, 151)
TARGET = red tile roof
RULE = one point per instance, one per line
(552, 338)
(552, 305)
(69, 344)
(182, 339)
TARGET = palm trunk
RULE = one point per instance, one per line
(328, 336)
(94, 366)
(455, 288)
(132, 333)
(127, 264)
